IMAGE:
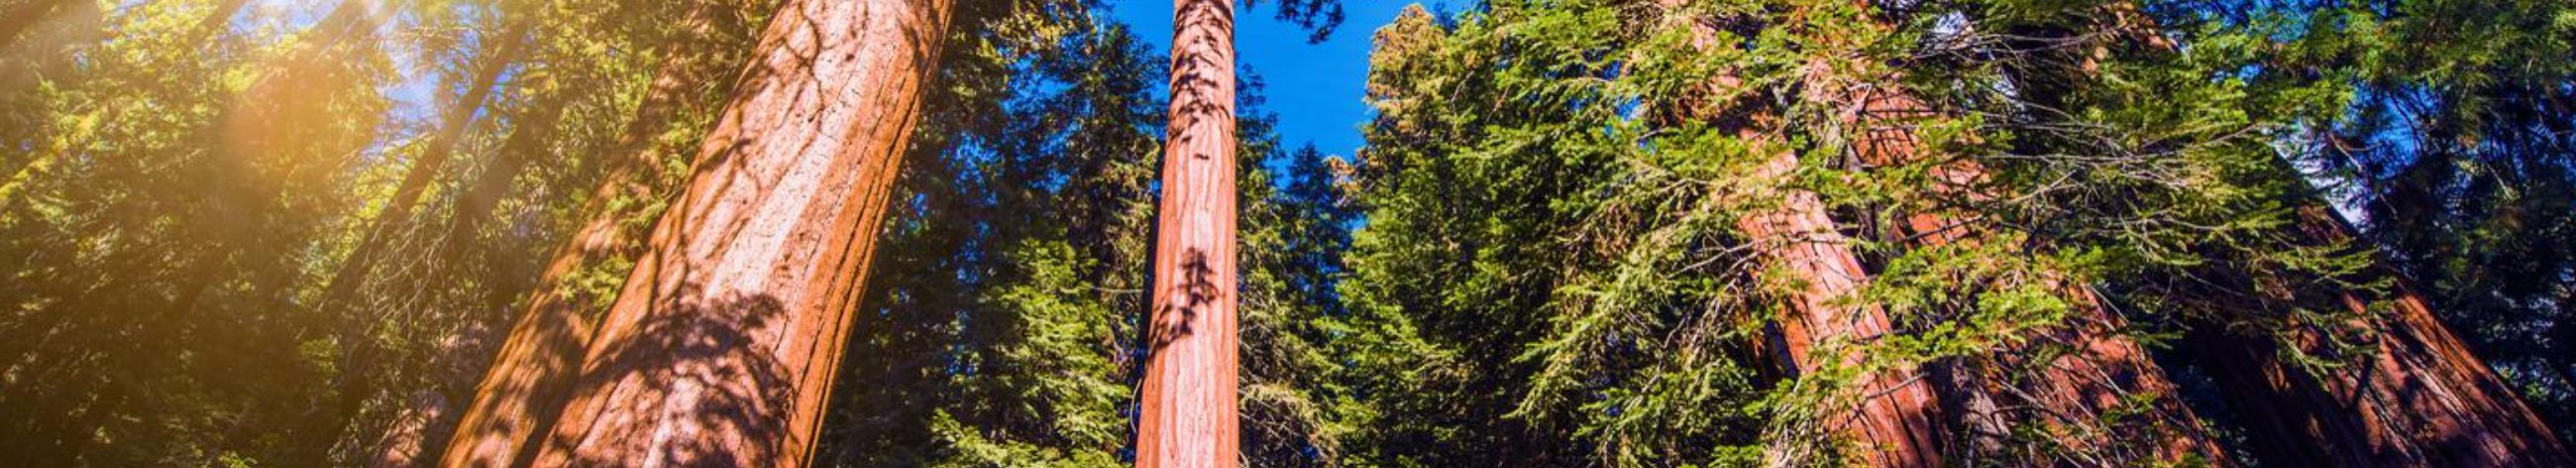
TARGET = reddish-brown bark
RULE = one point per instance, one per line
(1188, 396)
(529, 379)
(2073, 391)
(1894, 421)
(722, 345)
(1797, 240)
(2416, 396)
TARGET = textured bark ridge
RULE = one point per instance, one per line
(2072, 392)
(2418, 397)
(1189, 407)
(527, 380)
(720, 349)
(1893, 422)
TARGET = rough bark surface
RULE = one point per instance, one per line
(720, 349)
(529, 378)
(1798, 241)
(2417, 397)
(1188, 395)
(2074, 391)
(1799, 245)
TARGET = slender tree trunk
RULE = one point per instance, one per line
(525, 385)
(1188, 396)
(721, 349)
(360, 357)
(461, 115)
(428, 414)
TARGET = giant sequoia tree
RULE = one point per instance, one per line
(731, 325)
(1581, 233)
(2011, 177)
(1189, 417)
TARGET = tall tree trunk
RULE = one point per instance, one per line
(1799, 245)
(460, 115)
(428, 413)
(1893, 421)
(2416, 397)
(2075, 393)
(2076, 390)
(1188, 395)
(525, 385)
(722, 346)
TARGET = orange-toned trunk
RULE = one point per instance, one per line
(1188, 418)
(722, 345)
(2417, 398)
(2072, 392)
(524, 386)
(1894, 421)
(1799, 244)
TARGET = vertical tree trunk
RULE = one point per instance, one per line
(1189, 408)
(1796, 239)
(1893, 422)
(721, 348)
(360, 358)
(524, 387)
(428, 413)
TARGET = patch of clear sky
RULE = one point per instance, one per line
(1315, 88)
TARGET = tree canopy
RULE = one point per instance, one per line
(1580, 232)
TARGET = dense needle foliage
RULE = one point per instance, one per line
(270, 233)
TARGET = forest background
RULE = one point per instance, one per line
(273, 233)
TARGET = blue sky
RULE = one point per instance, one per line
(1315, 88)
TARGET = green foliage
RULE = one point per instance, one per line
(1552, 187)
(2449, 141)
(1539, 259)
(1001, 325)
